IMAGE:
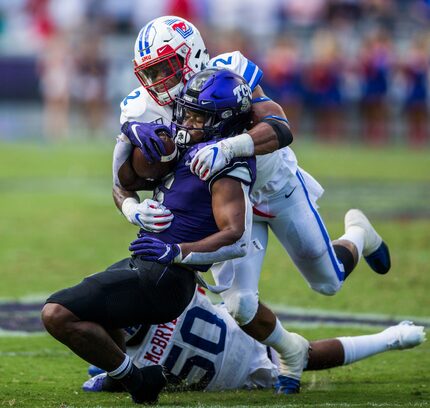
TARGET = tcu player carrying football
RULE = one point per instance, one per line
(167, 51)
(212, 223)
(204, 349)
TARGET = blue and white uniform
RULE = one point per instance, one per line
(204, 348)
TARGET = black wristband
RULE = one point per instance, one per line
(283, 132)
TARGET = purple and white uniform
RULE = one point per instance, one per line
(190, 200)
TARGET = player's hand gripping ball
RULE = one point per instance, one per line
(154, 154)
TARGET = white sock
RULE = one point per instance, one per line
(278, 339)
(358, 347)
(290, 349)
(355, 235)
(123, 369)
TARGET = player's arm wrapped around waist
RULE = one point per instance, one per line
(121, 153)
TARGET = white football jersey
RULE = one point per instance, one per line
(206, 349)
(139, 106)
(274, 170)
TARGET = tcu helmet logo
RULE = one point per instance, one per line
(242, 91)
(180, 27)
(243, 94)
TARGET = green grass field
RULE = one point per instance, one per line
(59, 224)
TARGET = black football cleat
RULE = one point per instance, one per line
(153, 382)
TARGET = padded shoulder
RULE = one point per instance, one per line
(139, 106)
(240, 65)
(134, 104)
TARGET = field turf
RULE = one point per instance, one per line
(59, 224)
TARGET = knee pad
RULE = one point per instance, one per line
(242, 305)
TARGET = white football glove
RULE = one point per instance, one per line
(211, 159)
(149, 214)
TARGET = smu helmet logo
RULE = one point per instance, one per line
(180, 27)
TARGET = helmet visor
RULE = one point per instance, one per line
(200, 123)
(193, 117)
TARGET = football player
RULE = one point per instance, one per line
(167, 51)
(212, 223)
(204, 349)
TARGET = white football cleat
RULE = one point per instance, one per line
(294, 362)
(375, 250)
(404, 335)
(292, 365)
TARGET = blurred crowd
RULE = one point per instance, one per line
(344, 70)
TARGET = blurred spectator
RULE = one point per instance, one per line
(181, 8)
(219, 42)
(319, 56)
(282, 78)
(322, 82)
(416, 68)
(89, 83)
(42, 22)
(381, 12)
(340, 12)
(304, 13)
(69, 15)
(376, 60)
(420, 11)
(55, 70)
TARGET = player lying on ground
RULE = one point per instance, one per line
(204, 349)
(167, 51)
(212, 223)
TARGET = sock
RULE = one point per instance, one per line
(128, 375)
(356, 236)
(290, 348)
(122, 370)
(359, 347)
(345, 256)
(278, 339)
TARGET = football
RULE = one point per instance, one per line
(155, 170)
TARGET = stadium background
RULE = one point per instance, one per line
(353, 77)
(349, 70)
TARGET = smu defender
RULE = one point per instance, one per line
(167, 51)
(204, 349)
(211, 224)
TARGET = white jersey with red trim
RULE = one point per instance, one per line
(205, 349)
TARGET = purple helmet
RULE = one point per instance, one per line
(221, 96)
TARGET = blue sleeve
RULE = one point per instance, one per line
(252, 74)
